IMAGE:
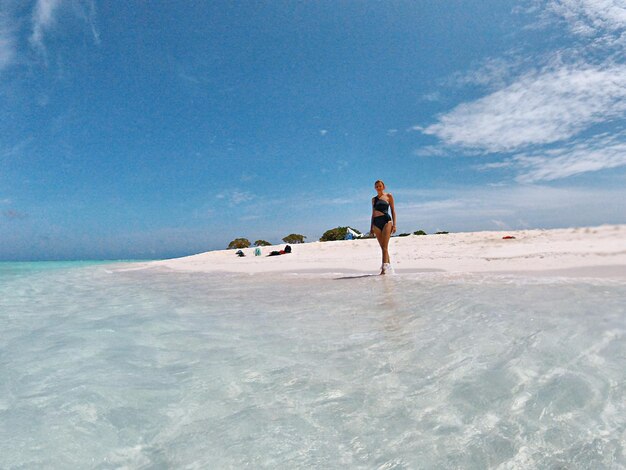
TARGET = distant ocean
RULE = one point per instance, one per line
(103, 368)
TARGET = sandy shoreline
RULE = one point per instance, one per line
(572, 252)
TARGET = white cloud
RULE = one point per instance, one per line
(432, 97)
(43, 19)
(323, 131)
(515, 205)
(540, 105)
(537, 109)
(602, 152)
(591, 17)
(431, 151)
(490, 72)
(239, 197)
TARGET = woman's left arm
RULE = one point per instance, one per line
(393, 213)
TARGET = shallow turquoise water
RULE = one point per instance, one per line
(101, 368)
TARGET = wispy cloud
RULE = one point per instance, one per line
(537, 109)
(42, 20)
(432, 97)
(542, 109)
(235, 197)
(599, 153)
(604, 18)
(513, 205)
(491, 73)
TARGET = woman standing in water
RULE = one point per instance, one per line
(382, 224)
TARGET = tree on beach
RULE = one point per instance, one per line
(337, 233)
(239, 243)
(262, 243)
(294, 238)
(419, 232)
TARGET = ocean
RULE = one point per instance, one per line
(105, 367)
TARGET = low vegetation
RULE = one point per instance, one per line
(419, 232)
(262, 243)
(337, 233)
(239, 243)
(294, 238)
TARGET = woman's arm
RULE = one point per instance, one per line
(393, 213)
(372, 219)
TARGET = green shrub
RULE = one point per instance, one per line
(441, 233)
(294, 238)
(239, 243)
(403, 235)
(337, 233)
(419, 232)
(262, 243)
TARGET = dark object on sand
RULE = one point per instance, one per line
(240, 253)
(441, 233)
(508, 237)
(286, 251)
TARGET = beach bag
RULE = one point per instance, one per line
(287, 249)
(257, 252)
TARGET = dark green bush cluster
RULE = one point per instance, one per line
(337, 233)
(294, 238)
(239, 243)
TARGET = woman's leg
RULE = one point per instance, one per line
(379, 237)
(384, 241)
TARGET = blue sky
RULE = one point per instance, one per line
(158, 129)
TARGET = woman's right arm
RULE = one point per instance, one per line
(372, 219)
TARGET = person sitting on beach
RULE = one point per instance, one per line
(382, 224)
(286, 251)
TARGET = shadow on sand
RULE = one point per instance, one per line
(355, 277)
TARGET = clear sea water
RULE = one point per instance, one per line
(101, 368)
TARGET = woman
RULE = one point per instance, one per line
(382, 224)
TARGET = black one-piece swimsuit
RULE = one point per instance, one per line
(381, 205)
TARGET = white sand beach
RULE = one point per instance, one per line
(578, 252)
